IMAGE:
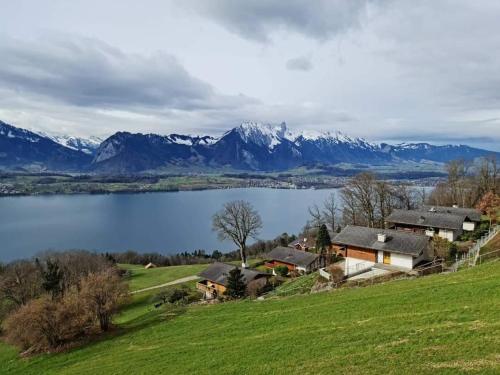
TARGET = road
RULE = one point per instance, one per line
(178, 281)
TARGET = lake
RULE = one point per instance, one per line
(164, 222)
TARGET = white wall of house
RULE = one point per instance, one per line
(448, 234)
(380, 256)
(469, 226)
(402, 260)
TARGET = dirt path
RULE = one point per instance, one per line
(178, 281)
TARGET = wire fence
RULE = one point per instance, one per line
(470, 258)
(490, 256)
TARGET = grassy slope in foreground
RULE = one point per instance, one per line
(442, 323)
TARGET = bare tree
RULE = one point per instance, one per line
(237, 221)
(350, 207)
(316, 218)
(330, 211)
(20, 282)
(102, 294)
(363, 188)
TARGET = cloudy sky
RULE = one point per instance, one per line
(384, 70)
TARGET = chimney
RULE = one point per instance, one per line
(381, 237)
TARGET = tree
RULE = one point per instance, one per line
(323, 242)
(102, 294)
(489, 205)
(236, 287)
(316, 217)
(237, 221)
(20, 282)
(52, 279)
(330, 211)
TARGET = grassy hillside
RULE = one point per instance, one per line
(437, 324)
(142, 278)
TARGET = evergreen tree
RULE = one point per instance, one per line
(236, 287)
(52, 279)
(323, 242)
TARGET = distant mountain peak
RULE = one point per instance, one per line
(87, 145)
(250, 146)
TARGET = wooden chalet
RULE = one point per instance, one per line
(214, 279)
(445, 222)
(295, 260)
(369, 246)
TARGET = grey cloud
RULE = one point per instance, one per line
(89, 73)
(299, 63)
(257, 19)
(454, 52)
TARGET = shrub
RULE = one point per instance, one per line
(281, 270)
(336, 273)
(453, 250)
(46, 324)
(181, 295)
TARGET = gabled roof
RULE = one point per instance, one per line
(427, 219)
(310, 242)
(396, 241)
(288, 255)
(471, 213)
(217, 272)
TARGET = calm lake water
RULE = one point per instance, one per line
(164, 222)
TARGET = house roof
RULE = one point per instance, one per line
(471, 213)
(396, 241)
(217, 272)
(292, 256)
(427, 219)
(309, 242)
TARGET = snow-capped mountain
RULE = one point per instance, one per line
(21, 148)
(249, 146)
(86, 145)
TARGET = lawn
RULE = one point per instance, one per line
(447, 323)
(142, 278)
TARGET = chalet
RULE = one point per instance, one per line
(295, 260)
(214, 279)
(369, 246)
(446, 222)
(304, 243)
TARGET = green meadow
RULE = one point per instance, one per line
(446, 323)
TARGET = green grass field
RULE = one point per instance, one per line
(447, 323)
(142, 278)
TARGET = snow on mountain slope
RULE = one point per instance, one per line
(86, 145)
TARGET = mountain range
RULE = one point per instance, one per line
(251, 146)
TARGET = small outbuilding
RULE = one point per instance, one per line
(150, 265)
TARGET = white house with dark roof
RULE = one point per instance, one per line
(446, 222)
(371, 246)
